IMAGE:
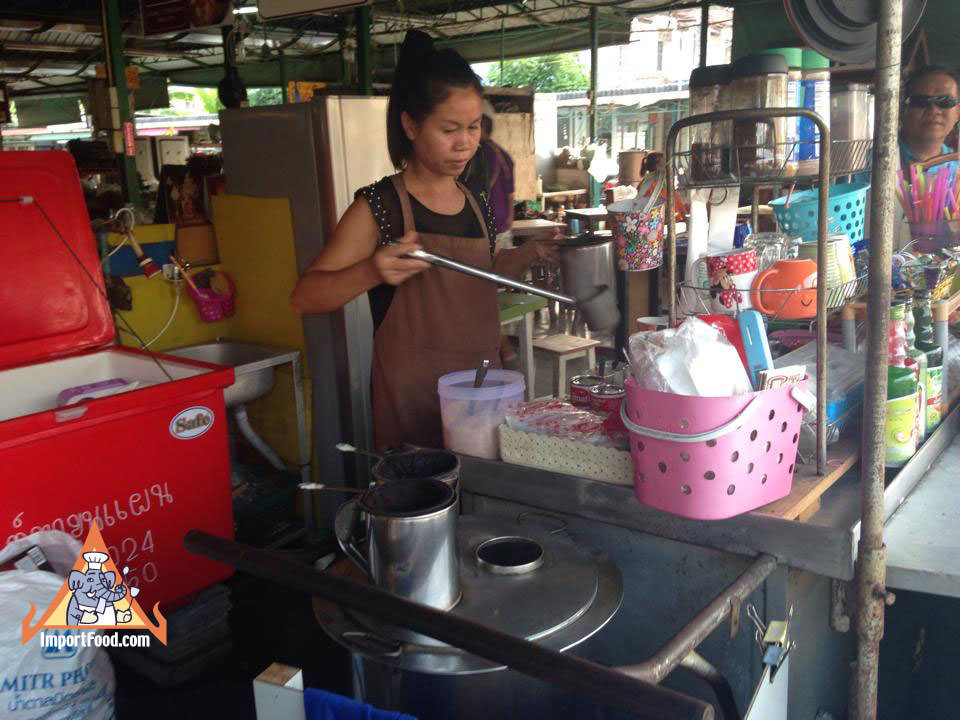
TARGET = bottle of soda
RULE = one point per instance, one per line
(923, 324)
(919, 358)
(897, 347)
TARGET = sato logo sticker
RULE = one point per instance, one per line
(191, 423)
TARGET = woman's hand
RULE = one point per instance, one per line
(390, 264)
(547, 247)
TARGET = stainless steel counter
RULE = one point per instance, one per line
(825, 545)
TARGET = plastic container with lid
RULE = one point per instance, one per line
(709, 143)
(758, 81)
(815, 87)
(794, 58)
(850, 111)
(472, 415)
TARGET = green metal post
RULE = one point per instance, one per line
(502, 31)
(594, 42)
(117, 78)
(704, 31)
(283, 77)
(364, 68)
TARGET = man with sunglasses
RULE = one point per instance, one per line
(930, 112)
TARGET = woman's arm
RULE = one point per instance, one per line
(514, 262)
(351, 263)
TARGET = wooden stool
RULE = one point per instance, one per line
(563, 348)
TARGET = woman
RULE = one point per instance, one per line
(427, 321)
(653, 163)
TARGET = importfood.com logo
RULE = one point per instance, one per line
(94, 596)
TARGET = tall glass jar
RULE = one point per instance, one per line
(758, 81)
(709, 142)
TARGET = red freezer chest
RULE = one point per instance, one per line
(146, 465)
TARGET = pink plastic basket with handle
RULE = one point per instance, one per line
(711, 458)
(212, 306)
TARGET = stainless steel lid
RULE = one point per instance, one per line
(517, 578)
(608, 390)
(586, 381)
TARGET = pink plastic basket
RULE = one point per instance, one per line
(711, 458)
(213, 307)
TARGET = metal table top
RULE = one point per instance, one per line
(922, 538)
(826, 544)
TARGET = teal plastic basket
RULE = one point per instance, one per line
(848, 206)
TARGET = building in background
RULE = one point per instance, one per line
(642, 86)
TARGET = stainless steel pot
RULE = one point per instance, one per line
(585, 264)
(531, 582)
(411, 539)
(440, 465)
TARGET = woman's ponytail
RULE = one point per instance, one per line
(423, 79)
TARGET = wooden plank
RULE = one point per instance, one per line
(514, 133)
(808, 486)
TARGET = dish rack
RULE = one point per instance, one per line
(851, 157)
(695, 300)
(728, 166)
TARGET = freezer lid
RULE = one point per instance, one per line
(51, 295)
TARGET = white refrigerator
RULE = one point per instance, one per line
(318, 154)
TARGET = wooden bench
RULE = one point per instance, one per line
(562, 348)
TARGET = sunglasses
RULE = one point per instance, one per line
(944, 102)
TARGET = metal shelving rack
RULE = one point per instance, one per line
(852, 155)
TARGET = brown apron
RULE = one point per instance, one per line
(438, 322)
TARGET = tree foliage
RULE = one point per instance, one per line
(547, 73)
(264, 96)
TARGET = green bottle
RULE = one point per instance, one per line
(902, 411)
(923, 323)
(919, 358)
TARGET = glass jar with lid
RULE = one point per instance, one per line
(709, 142)
(758, 81)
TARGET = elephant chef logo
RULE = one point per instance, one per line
(95, 595)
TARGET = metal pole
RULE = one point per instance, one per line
(871, 554)
(704, 31)
(283, 77)
(502, 38)
(594, 42)
(705, 622)
(117, 90)
(364, 68)
(823, 218)
(603, 684)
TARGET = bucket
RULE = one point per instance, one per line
(472, 415)
(637, 227)
(711, 458)
(847, 205)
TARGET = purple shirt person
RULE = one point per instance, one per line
(491, 173)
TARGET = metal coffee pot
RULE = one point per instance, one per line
(410, 546)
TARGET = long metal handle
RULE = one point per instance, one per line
(443, 262)
(603, 684)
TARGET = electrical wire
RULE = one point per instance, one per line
(30, 200)
(178, 291)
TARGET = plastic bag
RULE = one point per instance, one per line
(693, 359)
(563, 420)
(38, 682)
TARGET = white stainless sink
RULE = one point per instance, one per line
(252, 364)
